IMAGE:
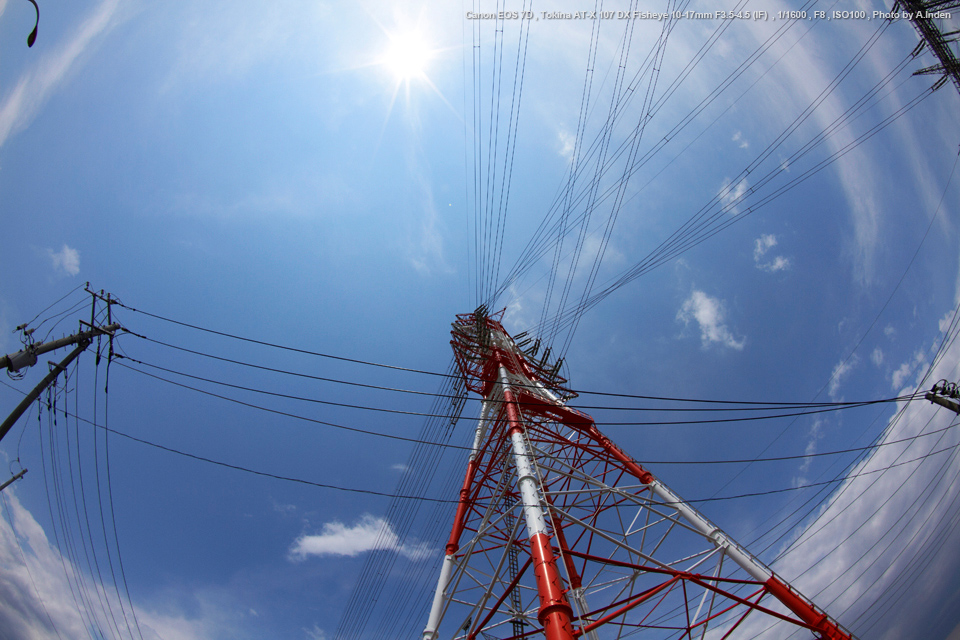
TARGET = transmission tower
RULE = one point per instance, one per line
(560, 534)
(923, 13)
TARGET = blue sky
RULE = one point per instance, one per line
(262, 170)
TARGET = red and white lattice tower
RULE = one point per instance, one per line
(560, 534)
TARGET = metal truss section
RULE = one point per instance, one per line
(924, 14)
(559, 534)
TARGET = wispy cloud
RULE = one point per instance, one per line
(898, 377)
(566, 144)
(21, 105)
(731, 194)
(710, 316)
(813, 437)
(316, 633)
(740, 140)
(760, 248)
(66, 260)
(370, 533)
(841, 371)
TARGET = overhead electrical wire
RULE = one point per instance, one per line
(56, 515)
(646, 461)
(748, 405)
(687, 240)
(84, 528)
(577, 391)
(113, 514)
(277, 476)
(809, 411)
(540, 241)
(573, 313)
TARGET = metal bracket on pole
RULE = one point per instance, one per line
(945, 394)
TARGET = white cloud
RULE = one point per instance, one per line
(899, 376)
(877, 356)
(813, 437)
(739, 139)
(22, 104)
(284, 509)
(710, 315)
(779, 264)
(370, 533)
(36, 599)
(731, 194)
(763, 244)
(521, 313)
(760, 247)
(889, 331)
(66, 259)
(841, 371)
(402, 468)
(567, 143)
(945, 322)
(316, 633)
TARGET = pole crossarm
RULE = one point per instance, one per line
(560, 534)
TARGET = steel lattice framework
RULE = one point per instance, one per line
(922, 14)
(560, 534)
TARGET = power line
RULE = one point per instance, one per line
(467, 448)
(751, 406)
(580, 392)
(810, 411)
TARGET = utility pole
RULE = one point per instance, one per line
(27, 357)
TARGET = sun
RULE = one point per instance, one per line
(407, 57)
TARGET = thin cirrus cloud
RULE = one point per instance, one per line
(806, 80)
(368, 534)
(710, 316)
(21, 105)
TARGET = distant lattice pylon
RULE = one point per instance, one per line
(923, 13)
(560, 534)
